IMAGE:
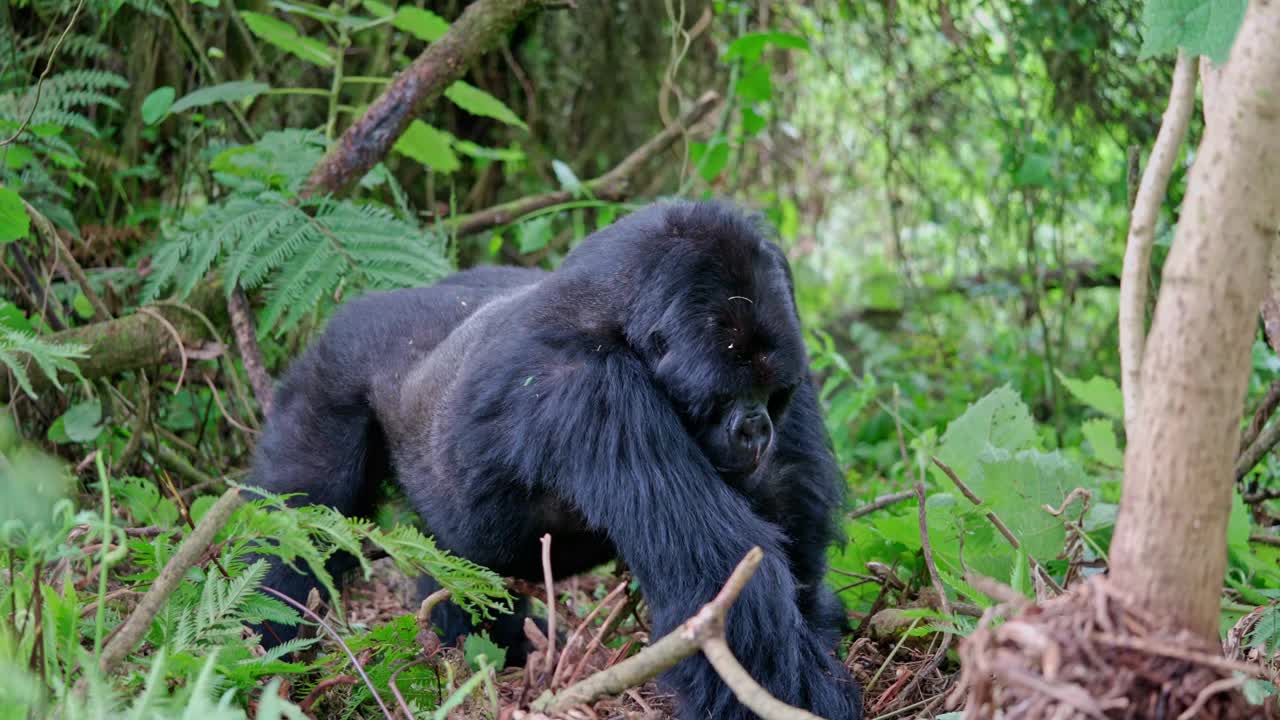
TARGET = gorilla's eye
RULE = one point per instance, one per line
(779, 399)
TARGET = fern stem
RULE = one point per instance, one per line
(335, 90)
(101, 616)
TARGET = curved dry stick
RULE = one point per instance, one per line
(563, 664)
(747, 690)
(195, 545)
(177, 340)
(1142, 231)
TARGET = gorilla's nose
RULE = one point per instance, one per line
(753, 432)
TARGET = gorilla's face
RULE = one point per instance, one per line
(730, 356)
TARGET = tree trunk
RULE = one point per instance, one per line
(1169, 549)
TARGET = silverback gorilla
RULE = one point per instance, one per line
(650, 399)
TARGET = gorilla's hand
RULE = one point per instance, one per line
(777, 647)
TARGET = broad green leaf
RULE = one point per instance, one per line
(1098, 392)
(81, 423)
(429, 146)
(224, 92)
(1018, 487)
(82, 306)
(1101, 435)
(750, 46)
(282, 35)
(752, 122)
(478, 102)
(157, 104)
(14, 221)
(1201, 27)
(1000, 420)
(422, 24)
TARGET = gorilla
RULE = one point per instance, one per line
(648, 400)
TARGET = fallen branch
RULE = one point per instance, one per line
(1142, 231)
(195, 545)
(133, 341)
(613, 185)
(479, 29)
(704, 631)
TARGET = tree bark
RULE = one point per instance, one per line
(1169, 548)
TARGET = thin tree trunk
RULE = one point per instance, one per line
(1169, 549)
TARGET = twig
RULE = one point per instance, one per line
(481, 27)
(551, 605)
(1142, 230)
(995, 520)
(338, 639)
(881, 503)
(195, 545)
(613, 185)
(1266, 408)
(242, 327)
(661, 655)
(50, 234)
(217, 398)
(177, 340)
(1263, 444)
(395, 688)
(747, 690)
(48, 67)
(322, 687)
(603, 635)
(1213, 688)
(563, 664)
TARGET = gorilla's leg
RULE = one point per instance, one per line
(320, 441)
(505, 630)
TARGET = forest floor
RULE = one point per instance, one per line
(887, 670)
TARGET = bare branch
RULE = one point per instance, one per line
(613, 185)
(1142, 230)
(195, 546)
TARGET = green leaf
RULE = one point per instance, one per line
(1101, 436)
(224, 92)
(157, 104)
(568, 179)
(1000, 420)
(532, 236)
(710, 158)
(1098, 392)
(755, 83)
(1201, 27)
(14, 221)
(282, 35)
(478, 102)
(81, 305)
(479, 644)
(422, 24)
(752, 122)
(750, 46)
(378, 9)
(1036, 171)
(81, 423)
(1238, 525)
(429, 146)
(479, 152)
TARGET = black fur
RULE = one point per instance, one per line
(510, 403)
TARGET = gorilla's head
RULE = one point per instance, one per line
(713, 314)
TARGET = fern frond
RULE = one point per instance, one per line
(474, 588)
(51, 358)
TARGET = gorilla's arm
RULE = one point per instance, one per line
(589, 424)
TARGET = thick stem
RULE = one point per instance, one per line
(1142, 232)
(1169, 549)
